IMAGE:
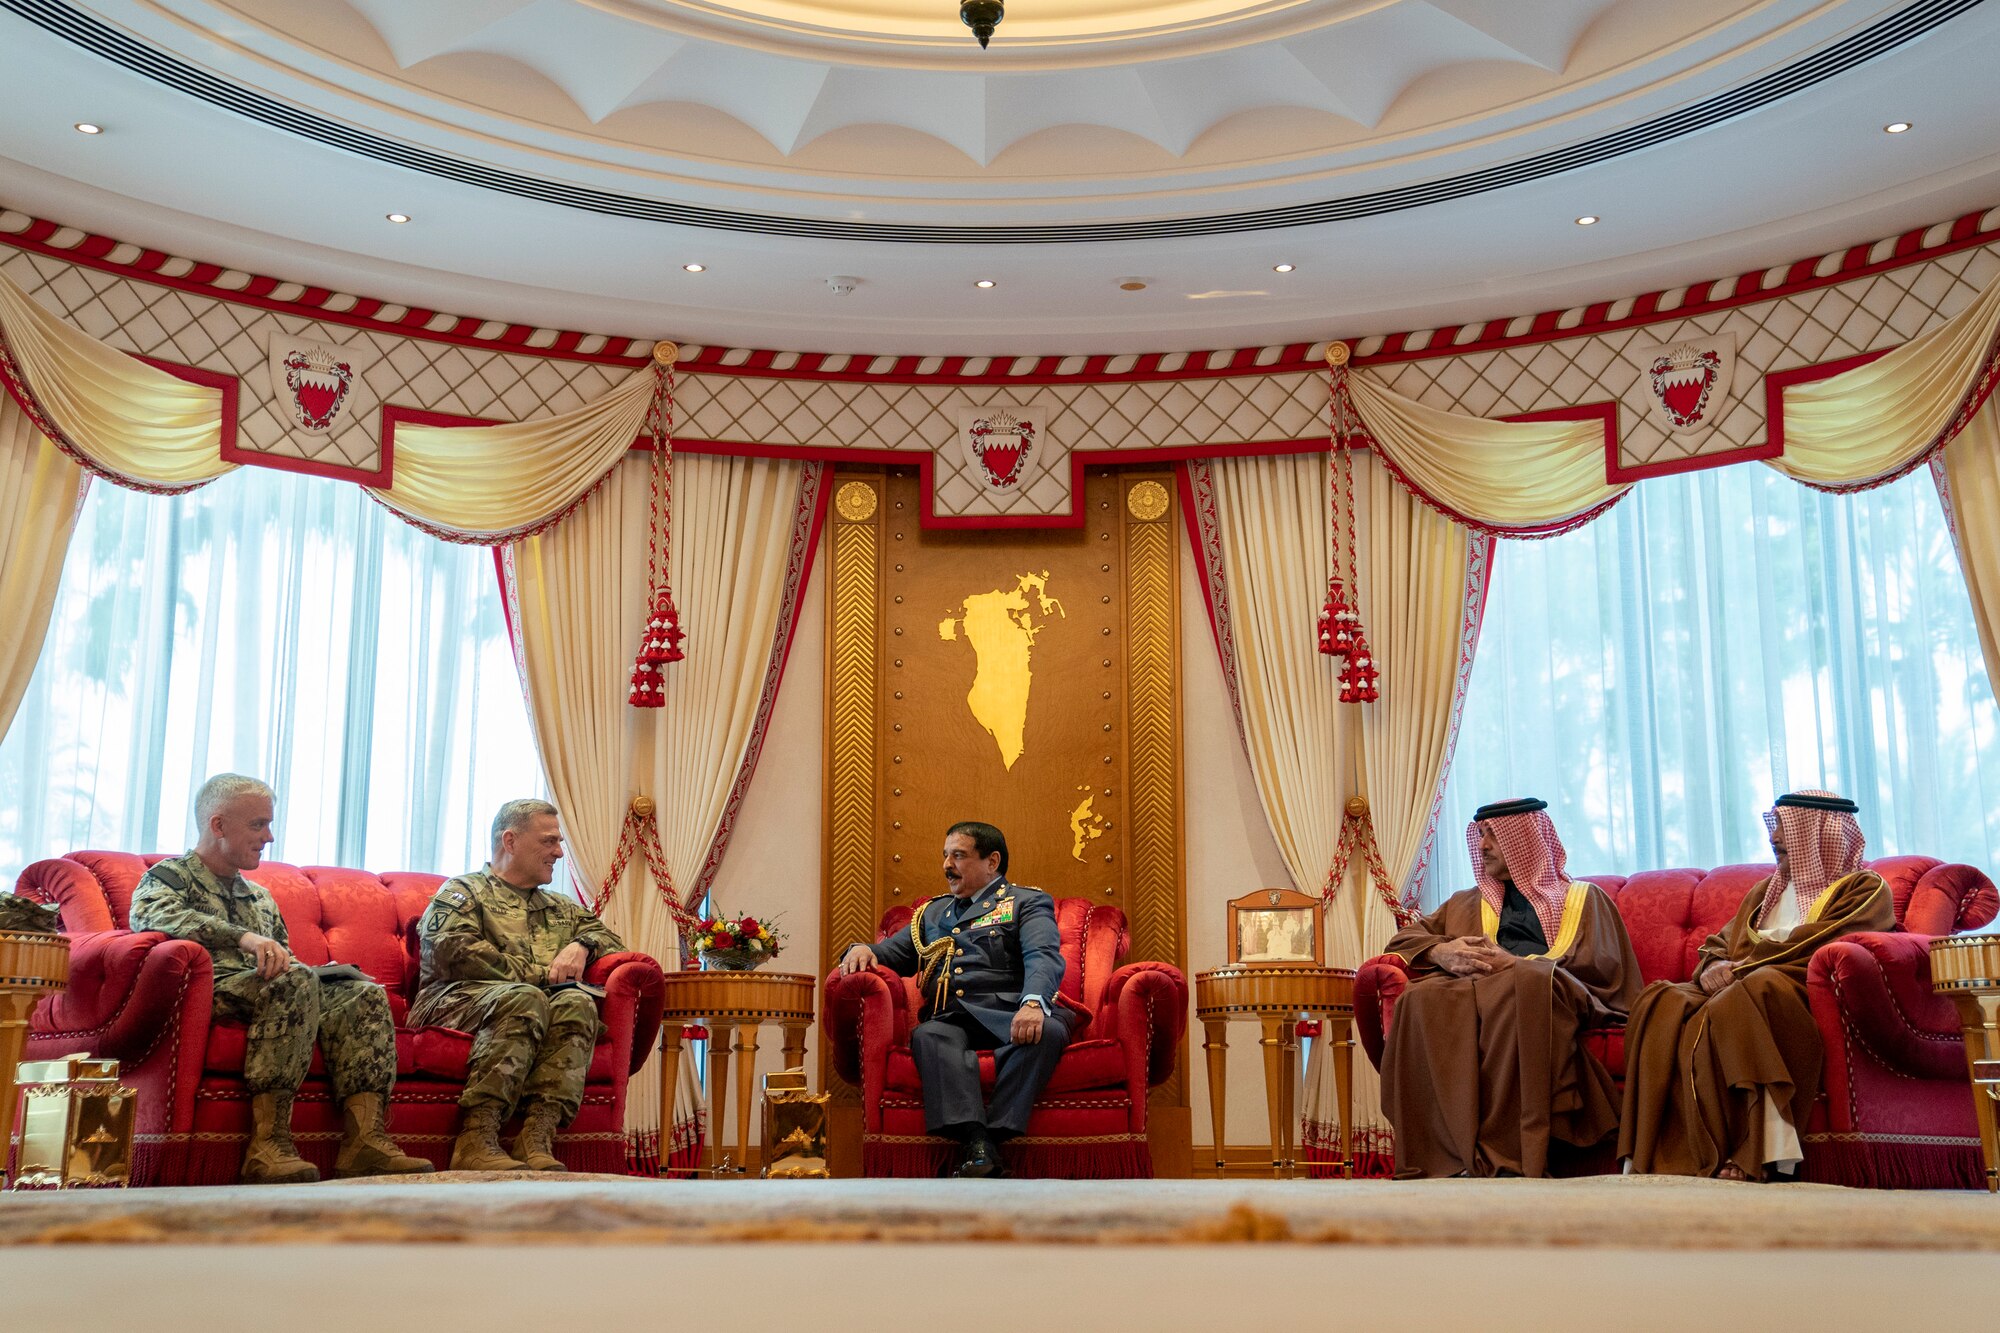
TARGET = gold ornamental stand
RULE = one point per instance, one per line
(1966, 970)
(1278, 997)
(32, 964)
(744, 1001)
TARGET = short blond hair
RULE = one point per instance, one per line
(223, 788)
(516, 814)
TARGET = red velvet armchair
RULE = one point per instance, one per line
(1896, 1110)
(144, 1000)
(1089, 1123)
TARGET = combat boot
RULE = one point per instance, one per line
(477, 1147)
(270, 1159)
(365, 1150)
(534, 1146)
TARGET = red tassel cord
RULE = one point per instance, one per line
(660, 644)
(1340, 631)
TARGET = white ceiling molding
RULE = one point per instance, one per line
(1417, 163)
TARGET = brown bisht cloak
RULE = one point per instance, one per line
(1697, 1065)
(1479, 1074)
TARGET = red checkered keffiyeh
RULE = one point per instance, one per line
(1534, 857)
(1822, 840)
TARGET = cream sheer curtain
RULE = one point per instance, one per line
(275, 624)
(1308, 751)
(39, 493)
(581, 595)
(1972, 494)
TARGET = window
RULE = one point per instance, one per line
(1718, 638)
(282, 626)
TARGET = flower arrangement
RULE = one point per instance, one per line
(735, 944)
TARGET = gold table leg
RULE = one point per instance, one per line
(670, 1079)
(746, 1069)
(1979, 1017)
(1273, 1042)
(33, 963)
(1215, 1045)
(1290, 1109)
(15, 1006)
(718, 1092)
(1342, 1030)
(795, 1045)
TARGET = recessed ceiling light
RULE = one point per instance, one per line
(694, 268)
(1587, 220)
(85, 127)
(399, 217)
(985, 282)
(1131, 284)
(1898, 128)
(1281, 268)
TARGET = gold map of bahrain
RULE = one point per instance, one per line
(1001, 627)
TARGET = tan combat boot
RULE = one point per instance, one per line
(271, 1159)
(477, 1147)
(534, 1146)
(365, 1150)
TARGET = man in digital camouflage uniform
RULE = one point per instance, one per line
(203, 897)
(498, 950)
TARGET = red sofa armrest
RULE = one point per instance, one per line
(72, 888)
(1873, 990)
(1146, 1008)
(145, 1001)
(126, 989)
(1378, 984)
(861, 1019)
(1948, 899)
(635, 992)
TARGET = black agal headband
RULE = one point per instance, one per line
(1837, 804)
(1525, 806)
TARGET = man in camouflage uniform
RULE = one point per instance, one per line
(499, 952)
(203, 897)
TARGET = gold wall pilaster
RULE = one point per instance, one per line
(853, 706)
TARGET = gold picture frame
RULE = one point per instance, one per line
(1275, 928)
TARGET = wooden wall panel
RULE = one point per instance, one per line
(1028, 678)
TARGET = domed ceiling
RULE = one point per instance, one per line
(1269, 172)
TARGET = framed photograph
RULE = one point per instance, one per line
(1275, 928)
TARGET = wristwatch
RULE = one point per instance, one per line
(1035, 1000)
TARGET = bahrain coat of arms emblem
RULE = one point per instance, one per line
(1687, 383)
(314, 382)
(999, 440)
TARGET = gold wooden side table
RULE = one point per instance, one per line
(32, 964)
(1278, 997)
(739, 1000)
(1966, 970)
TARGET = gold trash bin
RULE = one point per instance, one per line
(76, 1125)
(794, 1128)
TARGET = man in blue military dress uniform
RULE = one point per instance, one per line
(988, 959)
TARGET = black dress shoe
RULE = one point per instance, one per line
(982, 1161)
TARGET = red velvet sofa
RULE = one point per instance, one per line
(144, 1000)
(1089, 1123)
(1896, 1110)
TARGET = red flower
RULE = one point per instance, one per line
(724, 940)
(748, 926)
